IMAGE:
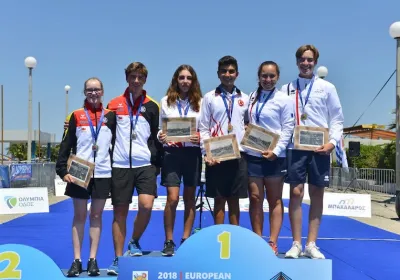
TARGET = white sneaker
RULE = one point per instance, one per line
(313, 252)
(295, 251)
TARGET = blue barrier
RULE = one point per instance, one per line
(4, 177)
(215, 252)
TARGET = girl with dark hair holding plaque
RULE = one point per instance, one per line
(272, 110)
(182, 160)
(90, 133)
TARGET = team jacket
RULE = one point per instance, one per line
(323, 108)
(214, 120)
(173, 112)
(78, 137)
(277, 116)
(145, 149)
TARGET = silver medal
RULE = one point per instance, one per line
(134, 135)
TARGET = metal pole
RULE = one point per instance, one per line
(29, 155)
(39, 135)
(2, 124)
(398, 127)
(66, 104)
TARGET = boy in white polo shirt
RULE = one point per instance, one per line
(317, 105)
(222, 113)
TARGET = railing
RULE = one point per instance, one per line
(368, 179)
(43, 175)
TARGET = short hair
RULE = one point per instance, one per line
(228, 60)
(300, 51)
(136, 67)
(93, 79)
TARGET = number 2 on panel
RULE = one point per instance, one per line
(225, 249)
(10, 271)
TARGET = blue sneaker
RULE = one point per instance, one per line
(113, 268)
(134, 248)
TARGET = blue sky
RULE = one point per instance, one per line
(74, 40)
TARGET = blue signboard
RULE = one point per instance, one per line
(21, 172)
(4, 177)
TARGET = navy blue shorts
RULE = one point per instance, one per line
(303, 164)
(261, 167)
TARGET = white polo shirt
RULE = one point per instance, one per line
(323, 108)
(214, 119)
(172, 111)
(277, 116)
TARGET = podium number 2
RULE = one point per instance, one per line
(10, 271)
(225, 249)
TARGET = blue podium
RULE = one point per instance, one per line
(215, 252)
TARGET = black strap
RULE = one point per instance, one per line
(288, 93)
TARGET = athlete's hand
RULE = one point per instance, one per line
(269, 155)
(195, 139)
(68, 178)
(211, 161)
(325, 149)
(162, 137)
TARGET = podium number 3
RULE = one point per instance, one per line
(225, 249)
(10, 271)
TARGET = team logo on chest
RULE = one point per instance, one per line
(143, 109)
(240, 102)
(105, 120)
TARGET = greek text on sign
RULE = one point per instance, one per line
(349, 205)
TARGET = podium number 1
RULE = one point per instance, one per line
(225, 249)
(10, 271)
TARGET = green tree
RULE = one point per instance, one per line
(389, 155)
(18, 151)
(370, 157)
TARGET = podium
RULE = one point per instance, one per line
(215, 252)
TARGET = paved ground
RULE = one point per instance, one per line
(383, 211)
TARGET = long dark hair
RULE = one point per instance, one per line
(194, 93)
(259, 89)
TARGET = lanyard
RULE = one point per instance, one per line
(128, 103)
(258, 112)
(95, 134)
(228, 112)
(298, 96)
(180, 107)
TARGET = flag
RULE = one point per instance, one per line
(341, 157)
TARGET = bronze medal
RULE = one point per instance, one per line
(95, 147)
(230, 128)
(303, 116)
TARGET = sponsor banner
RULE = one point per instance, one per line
(24, 200)
(59, 186)
(21, 172)
(286, 192)
(159, 204)
(348, 205)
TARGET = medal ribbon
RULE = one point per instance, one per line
(258, 112)
(298, 96)
(95, 134)
(180, 107)
(129, 105)
(228, 110)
